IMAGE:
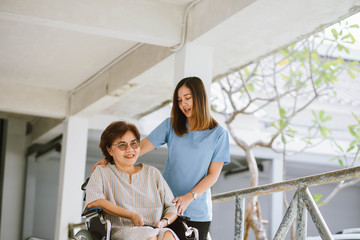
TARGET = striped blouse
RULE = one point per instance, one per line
(148, 195)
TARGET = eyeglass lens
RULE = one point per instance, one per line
(124, 145)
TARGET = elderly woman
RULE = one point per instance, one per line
(135, 198)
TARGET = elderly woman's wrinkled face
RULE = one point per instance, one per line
(125, 150)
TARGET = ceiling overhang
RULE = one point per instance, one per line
(64, 58)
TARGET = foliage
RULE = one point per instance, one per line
(349, 155)
(277, 89)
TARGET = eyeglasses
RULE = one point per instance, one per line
(124, 145)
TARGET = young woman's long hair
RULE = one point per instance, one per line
(201, 116)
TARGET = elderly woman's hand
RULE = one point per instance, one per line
(183, 202)
(137, 220)
(160, 224)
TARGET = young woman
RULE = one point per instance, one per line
(198, 147)
(132, 195)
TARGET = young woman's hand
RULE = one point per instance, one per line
(183, 202)
(102, 162)
(137, 220)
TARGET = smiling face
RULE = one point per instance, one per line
(124, 158)
(185, 101)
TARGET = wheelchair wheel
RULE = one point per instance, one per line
(83, 235)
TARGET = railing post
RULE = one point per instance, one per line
(301, 220)
(316, 215)
(288, 219)
(239, 218)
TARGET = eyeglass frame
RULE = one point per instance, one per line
(137, 141)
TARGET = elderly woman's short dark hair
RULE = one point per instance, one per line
(112, 132)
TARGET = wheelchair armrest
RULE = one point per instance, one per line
(89, 212)
(96, 223)
(190, 232)
(183, 218)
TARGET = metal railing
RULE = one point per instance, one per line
(300, 204)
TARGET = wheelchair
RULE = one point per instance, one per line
(98, 228)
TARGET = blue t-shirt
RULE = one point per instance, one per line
(188, 161)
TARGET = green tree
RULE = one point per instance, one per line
(286, 83)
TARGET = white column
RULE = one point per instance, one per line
(13, 185)
(194, 60)
(29, 198)
(277, 205)
(72, 170)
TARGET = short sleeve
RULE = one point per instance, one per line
(222, 148)
(160, 135)
(165, 192)
(94, 188)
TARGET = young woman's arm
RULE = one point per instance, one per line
(183, 202)
(114, 210)
(145, 146)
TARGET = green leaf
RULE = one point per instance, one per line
(307, 140)
(356, 117)
(352, 75)
(323, 131)
(351, 147)
(250, 86)
(355, 69)
(341, 163)
(282, 112)
(354, 26)
(318, 81)
(354, 63)
(339, 147)
(327, 118)
(246, 72)
(317, 197)
(335, 33)
(352, 39)
(352, 131)
(285, 76)
(315, 57)
(282, 124)
(314, 114)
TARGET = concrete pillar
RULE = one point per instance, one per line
(277, 205)
(13, 185)
(194, 60)
(72, 171)
(30, 198)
